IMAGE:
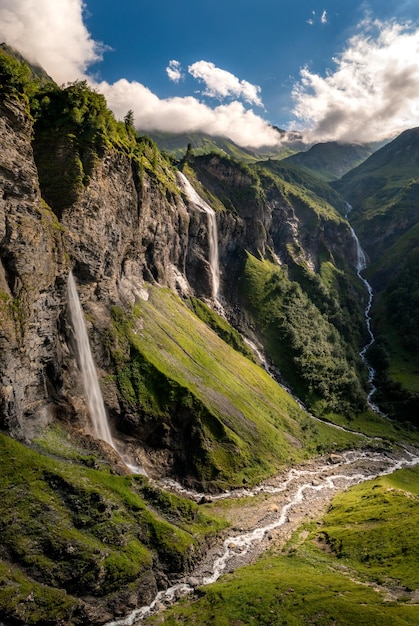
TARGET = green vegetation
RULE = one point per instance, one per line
(329, 161)
(328, 574)
(304, 179)
(395, 356)
(73, 128)
(384, 193)
(373, 528)
(68, 531)
(226, 420)
(176, 144)
(306, 347)
(220, 326)
(236, 184)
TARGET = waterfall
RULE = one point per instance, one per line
(361, 264)
(212, 232)
(94, 397)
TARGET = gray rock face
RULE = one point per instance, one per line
(124, 228)
(119, 233)
(32, 277)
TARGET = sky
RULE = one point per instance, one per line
(337, 70)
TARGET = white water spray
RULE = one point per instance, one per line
(212, 232)
(94, 397)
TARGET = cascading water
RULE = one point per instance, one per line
(94, 397)
(361, 264)
(212, 232)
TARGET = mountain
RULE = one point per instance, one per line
(37, 72)
(330, 160)
(224, 317)
(176, 145)
(383, 193)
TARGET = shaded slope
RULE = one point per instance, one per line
(330, 160)
(78, 542)
(384, 193)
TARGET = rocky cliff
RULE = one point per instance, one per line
(126, 225)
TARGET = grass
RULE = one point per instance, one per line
(68, 531)
(301, 340)
(176, 370)
(371, 527)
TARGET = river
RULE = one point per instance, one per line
(290, 498)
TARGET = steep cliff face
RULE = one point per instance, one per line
(32, 282)
(127, 226)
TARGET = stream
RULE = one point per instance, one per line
(290, 498)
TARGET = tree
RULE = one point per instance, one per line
(129, 121)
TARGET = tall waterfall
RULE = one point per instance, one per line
(212, 232)
(94, 397)
(361, 264)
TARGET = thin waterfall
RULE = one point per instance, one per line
(94, 397)
(212, 232)
(361, 264)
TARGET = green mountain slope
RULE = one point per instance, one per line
(331, 160)
(222, 416)
(176, 145)
(73, 534)
(384, 194)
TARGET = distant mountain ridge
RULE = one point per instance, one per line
(176, 144)
(331, 160)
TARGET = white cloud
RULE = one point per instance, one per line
(222, 84)
(187, 114)
(323, 18)
(51, 33)
(373, 92)
(174, 71)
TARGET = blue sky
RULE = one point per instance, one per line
(339, 69)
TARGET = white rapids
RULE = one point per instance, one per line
(300, 485)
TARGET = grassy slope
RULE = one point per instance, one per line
(176, 144)
(243, 425)
(383, 192)
(372, 527)
(69, 531)
(303, 343)
(331, 160)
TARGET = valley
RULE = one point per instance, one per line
(208, 374)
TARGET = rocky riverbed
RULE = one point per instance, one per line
(268, 515)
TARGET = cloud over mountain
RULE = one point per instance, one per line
(373, 92)
(187, 114)
(370, 94)
(54, 35)
(50, 33)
